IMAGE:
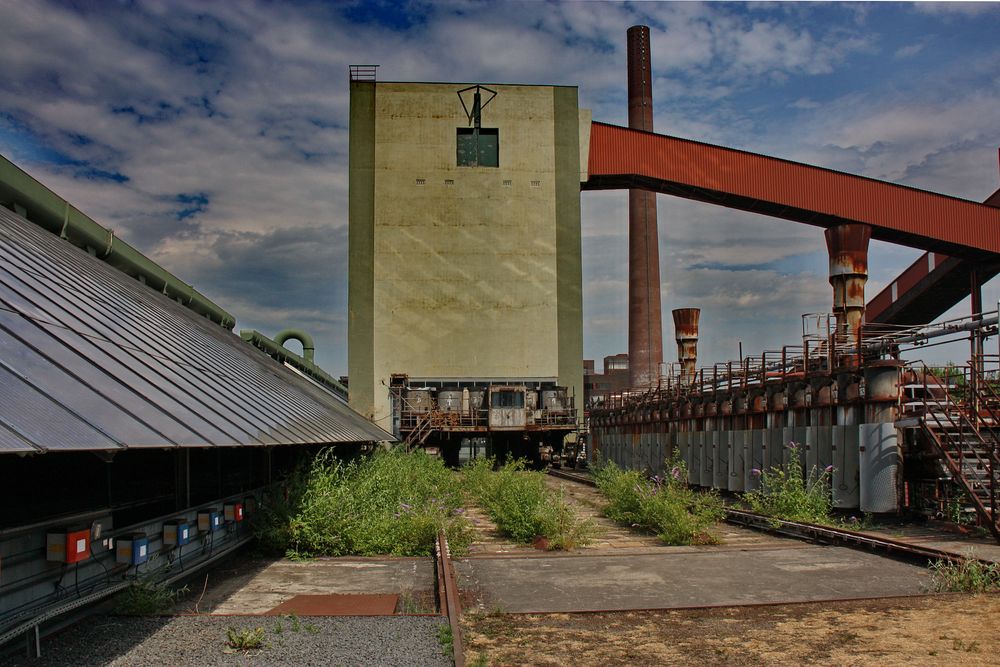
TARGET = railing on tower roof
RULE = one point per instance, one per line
(363, 72)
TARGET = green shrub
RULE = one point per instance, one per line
(784, 493)
(144, 598)
(665, 506)
(969, 576)
(391, 502)
(521, 505)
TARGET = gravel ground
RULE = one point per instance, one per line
(201, 640)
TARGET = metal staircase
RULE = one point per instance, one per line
(419, 434)
(960, 419)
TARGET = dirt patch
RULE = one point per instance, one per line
(932, 630)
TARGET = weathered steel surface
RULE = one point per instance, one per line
(927, 288)
(848, 248)
(686, 333)
(645, 328)
(626, 158)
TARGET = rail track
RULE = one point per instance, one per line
(448, 598)
(821, 534)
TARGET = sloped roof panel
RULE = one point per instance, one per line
(132, 364)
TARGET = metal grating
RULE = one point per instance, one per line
(92, 359)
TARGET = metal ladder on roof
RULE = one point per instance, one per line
(961, 422)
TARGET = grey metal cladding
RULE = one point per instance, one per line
(92, 359)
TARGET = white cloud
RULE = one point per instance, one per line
(246, 103)
(908, 51)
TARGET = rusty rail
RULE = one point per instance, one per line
(824, 534)
(448, 598)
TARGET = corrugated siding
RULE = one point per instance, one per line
(619, 151)
(102, 362)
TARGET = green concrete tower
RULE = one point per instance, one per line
(464, 236)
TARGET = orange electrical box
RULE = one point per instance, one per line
(71, 546)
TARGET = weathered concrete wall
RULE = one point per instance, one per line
(473, 272)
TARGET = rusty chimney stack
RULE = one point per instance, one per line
(848, 248)
(645, 327)
(686, 332)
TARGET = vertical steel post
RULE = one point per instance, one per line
(976, 340)
(645, 328)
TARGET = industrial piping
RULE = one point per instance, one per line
(645, 327)
(308, 347)
(686, 333)
(283, 355)
(848, 249)
(35, 202)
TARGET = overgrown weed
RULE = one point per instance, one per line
(786, 493)
(523, 507)
(446, 639)
(392, 502)
(664, 505)
(968, 576)
(246, 640)
(144, 598)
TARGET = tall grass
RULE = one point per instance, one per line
(968, 576)
(665, 506)
(391, 502)
(523, 507)
(785, 493)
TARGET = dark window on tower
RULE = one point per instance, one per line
(478, 147)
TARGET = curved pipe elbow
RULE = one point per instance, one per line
(308, 347)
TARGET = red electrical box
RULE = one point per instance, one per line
(71, 546)
(233, 511)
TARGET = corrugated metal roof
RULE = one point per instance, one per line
(92, 359)
(622, 158)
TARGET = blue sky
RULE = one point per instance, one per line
(213, 136)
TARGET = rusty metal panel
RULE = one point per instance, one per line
(796, 191)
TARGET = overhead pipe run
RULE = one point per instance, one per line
(36, 203)
(283, 355)
(686, 333)
(645, 326)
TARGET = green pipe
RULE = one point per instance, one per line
(32, 200)
(283, 355)
(308, 347)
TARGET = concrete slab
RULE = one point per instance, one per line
(684, 579)
(263, 585)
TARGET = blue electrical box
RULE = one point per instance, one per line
(176, 532)
(132, 549)
(209, 520)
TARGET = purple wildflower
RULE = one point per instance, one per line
(792, 445)
(675, 472)
(755, 472)
(828, 469)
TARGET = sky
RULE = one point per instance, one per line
(213, 136)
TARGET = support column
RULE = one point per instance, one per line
(976, 336)
(686, 333)
(848, 249)
(645, 328)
